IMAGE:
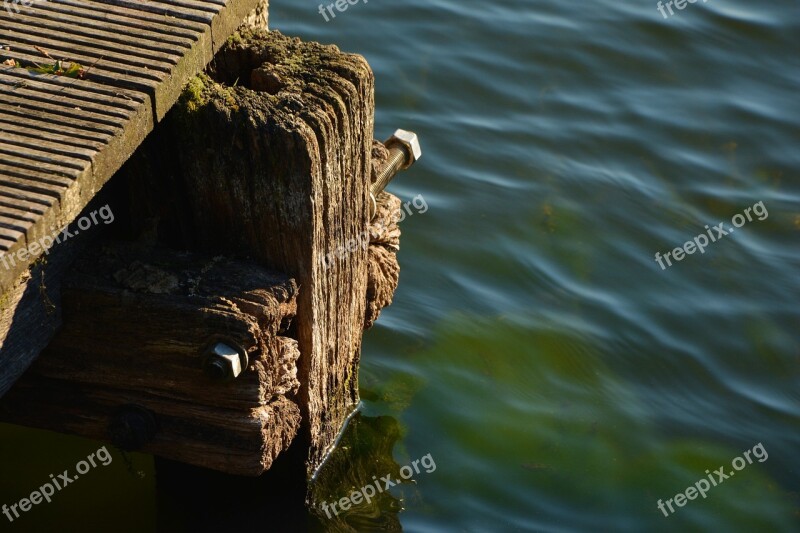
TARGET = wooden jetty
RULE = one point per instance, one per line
(219, 319)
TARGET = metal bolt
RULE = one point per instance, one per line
(404, 150)
(132, 427)
(222, 362)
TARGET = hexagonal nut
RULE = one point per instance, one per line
(222, 362)
(410, 140)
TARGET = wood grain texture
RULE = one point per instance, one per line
(137, 322)
(282, 176)
(383, 274)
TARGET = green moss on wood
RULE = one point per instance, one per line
(194, 97)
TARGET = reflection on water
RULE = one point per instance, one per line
(364, 456)
(546, 423)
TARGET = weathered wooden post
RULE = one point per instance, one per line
(278, 168)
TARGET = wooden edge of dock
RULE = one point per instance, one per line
(63, 137)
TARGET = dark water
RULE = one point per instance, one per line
(558, 377)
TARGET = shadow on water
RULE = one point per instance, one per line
(194, 499)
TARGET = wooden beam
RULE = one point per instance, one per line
(30, 312)
(138, 323)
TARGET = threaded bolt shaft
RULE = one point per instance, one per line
(404, 150)
(398, 159)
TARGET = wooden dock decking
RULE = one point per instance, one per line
(63, 136)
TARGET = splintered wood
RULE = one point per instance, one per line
(137, 324)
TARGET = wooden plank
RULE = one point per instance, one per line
(14, 224)
(31, 172)
(46, 151)
(8, 237)
(20, 212)
(130, 73)
(172, 9)
(35, 176)
(53, 108)
(50, 124)
(193, 5)
(108, 57)
(32, 202)
(102, 43)
(48, 135)
(113, 28)
(43, 94)
(117, 96)
(132, 17)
